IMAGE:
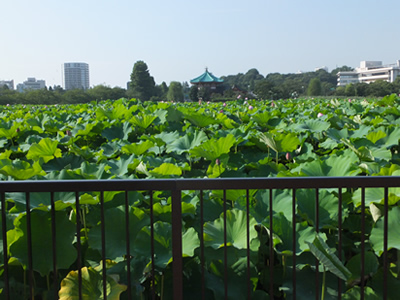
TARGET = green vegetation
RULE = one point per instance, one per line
(127, 139)
(250, 85)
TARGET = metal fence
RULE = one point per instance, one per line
(175, 187)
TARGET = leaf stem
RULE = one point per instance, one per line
(84, 221)
(323, 284)
(162, 286)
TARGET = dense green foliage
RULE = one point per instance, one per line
(314, 88)
(131, 139)
(175, 92)
(142, 85)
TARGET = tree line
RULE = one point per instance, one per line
(251, 84)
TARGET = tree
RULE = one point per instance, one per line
(142, 85)
(340, 91)
(327, 88)
(341, 69)
(361, 89)
(314, 87)
(396, 85)
(160, 92)
(379, 88)
(75, 96)
(103, 92)
(193, 93)
(175, 92)
(350, 90)
(42, 96)
(204, 93)
(164, 89)
(264, 89)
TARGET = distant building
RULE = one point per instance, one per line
(369, 71)
(76, 76)
(321, 68)
(207, 80)
(8, 83)
(31, 84)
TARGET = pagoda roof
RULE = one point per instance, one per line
(206, 77)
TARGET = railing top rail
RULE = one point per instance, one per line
(199, 184)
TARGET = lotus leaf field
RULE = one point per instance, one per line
(129, 139)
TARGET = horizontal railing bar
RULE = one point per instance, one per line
(199, 184)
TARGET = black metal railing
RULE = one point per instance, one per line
(176, 187)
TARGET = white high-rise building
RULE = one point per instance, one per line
(76, 76)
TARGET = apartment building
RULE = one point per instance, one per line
(76, 76)
(369, 71)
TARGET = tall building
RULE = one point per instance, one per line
(76, 76)
(31, 84)
(370, 71)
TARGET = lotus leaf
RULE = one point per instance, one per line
(166, 170)
(92, 286)
(143, 120)
(200, 120)
(283, 235)
(213, 149)
(46, 149)
(119, 131)
(163, 243)
(115, 230)
(377, 232)
(138, 148)
(343, 165)
(371, 265)
(326, 256)
(186, 142)
(42, 241)
(235, 230)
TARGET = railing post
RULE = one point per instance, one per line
(5, 245)
(177, 265)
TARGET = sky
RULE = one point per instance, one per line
(178, 39)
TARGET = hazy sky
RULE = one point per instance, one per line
(179, 38)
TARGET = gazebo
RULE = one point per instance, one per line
(207, 80)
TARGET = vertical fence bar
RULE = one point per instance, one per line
(385, 244)
(362, 242)
(248, 244)
(202, 262)
(225, 250)
(153, 273)
(128, 246)
(177, 263)
(54, 243)
(340, 239)
(317, 231)
(78, 244)
(5, 246)
(294, 242)
(103, 245)
(271, 247)
(29, 245)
